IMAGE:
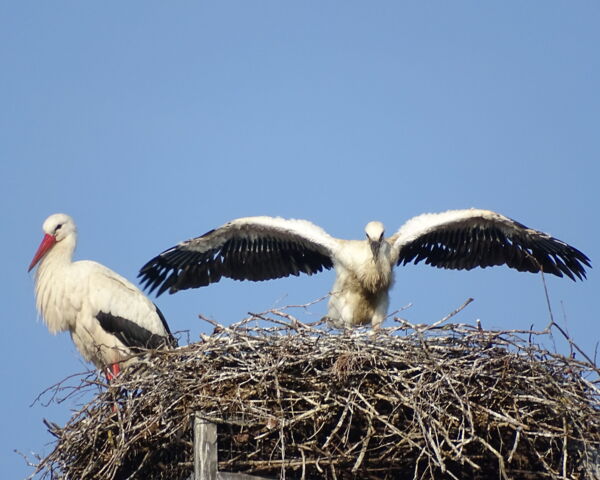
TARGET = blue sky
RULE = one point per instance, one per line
(152, 122)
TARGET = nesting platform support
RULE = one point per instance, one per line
(206, 463)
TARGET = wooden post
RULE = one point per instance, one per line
(206, 464)
(205, 449)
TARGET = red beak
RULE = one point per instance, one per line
(47, 243)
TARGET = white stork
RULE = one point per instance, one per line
(107, 316)
(262, 248)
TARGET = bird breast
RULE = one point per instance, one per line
(358, 270)
(376, 275)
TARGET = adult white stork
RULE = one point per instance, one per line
(108, 317)
(262, 248)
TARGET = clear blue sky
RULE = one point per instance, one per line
(151, 122)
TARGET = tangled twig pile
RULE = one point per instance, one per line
(299, 401)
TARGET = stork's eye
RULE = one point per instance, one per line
(58, 227)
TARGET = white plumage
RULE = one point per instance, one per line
(262, 248)
(107, 316)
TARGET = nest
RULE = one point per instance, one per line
(292, 400)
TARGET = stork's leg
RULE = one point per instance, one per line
(113, 371)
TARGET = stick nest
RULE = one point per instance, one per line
(300, 401)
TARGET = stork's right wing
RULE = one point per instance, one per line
(251, 248)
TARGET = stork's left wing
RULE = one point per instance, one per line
(465, 239)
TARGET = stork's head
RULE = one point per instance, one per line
(375, 231)
(56, 228)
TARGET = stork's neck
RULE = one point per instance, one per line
(59, 258)
(51, 284)
(380, 275)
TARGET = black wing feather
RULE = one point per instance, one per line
(241, 257)
(133, 335)
(463, 247)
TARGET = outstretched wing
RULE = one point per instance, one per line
(252, 248)
(464, 239)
